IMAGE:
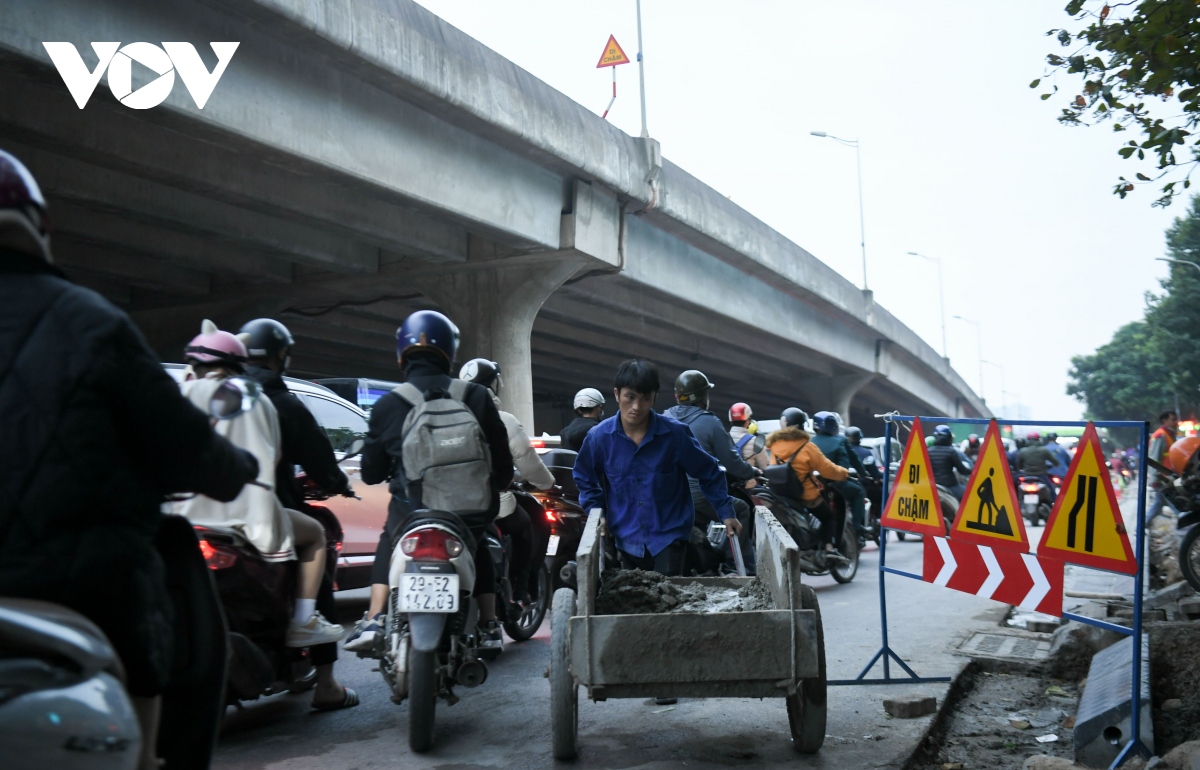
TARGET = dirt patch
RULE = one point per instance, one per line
(637, 592)
(1175, 676)
(994, 716)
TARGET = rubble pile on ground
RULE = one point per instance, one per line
(637, 592)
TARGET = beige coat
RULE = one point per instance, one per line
(256, 512)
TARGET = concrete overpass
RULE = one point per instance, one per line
(360, 159)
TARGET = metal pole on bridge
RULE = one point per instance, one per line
(642, 69)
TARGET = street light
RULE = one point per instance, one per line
(1003, 392)
(862, 227)
(978, 349)
(1177, 262)
(641, 70)
(941, 297)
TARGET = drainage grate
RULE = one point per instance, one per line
(1004, 646)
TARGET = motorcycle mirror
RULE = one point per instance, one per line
(355, 448)
(233, 397)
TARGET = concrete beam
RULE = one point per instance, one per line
(133, 268)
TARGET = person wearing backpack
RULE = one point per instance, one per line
(743, 430)
(792, 447)
(462, 468)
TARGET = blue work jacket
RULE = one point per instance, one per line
(644, 489)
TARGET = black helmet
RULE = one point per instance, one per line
(942, 434)
(1051, 438)
(691, 386)
(793, 417)
(23, 224)
(482, 372)
(827, 422)
(268, 338)
(854, 434)
(427, 330)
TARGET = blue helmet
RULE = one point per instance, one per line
(942, 430)
(427, 330)
(827, 422)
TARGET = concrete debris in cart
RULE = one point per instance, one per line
(638, 592)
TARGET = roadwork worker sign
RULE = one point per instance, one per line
(613, 54)
(988, 513)
(913, 504)
(1085, 526)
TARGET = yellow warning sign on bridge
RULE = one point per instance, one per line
(913, 504)
(989, 513)
(1085, 526)
(613, 54)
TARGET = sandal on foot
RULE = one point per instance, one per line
(349, 700)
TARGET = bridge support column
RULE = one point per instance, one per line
(495, 308)
(835, 393)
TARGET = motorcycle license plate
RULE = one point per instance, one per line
(1031, 499)
(428, 593)
(552, 546)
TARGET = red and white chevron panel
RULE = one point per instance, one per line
(1001, 574)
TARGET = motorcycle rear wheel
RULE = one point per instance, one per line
(844, 573)
(422, 698)
(530, 620)
(1189, 557)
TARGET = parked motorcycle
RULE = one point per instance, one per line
(1181, 488)
(805, 530)
(1036, 501)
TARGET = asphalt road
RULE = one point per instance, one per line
(505, 723)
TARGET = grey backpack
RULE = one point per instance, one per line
(447, 463)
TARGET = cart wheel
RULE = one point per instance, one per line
(845, 572)
(564, 693)
(807, 708)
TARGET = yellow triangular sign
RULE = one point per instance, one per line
(988, 513)
(613, 54)
(1085, 526)
(913, 504)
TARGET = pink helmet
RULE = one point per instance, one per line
(213, 346)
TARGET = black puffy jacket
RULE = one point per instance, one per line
(93, 434)
(304, 441)
(944, 460)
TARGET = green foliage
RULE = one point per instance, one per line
(1151, 364)
(1129, 54)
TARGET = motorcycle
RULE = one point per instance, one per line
(561, 510)
(1182, 491)
(805, 530)
(1036, 501)
(520, 620)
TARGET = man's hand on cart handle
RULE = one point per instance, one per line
(734, 526)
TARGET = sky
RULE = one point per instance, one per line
(960, 158)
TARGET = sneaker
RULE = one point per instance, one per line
(490, 636)
(835, 556)
(316, 631)
(366, 632)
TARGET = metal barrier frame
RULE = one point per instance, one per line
(887, 654)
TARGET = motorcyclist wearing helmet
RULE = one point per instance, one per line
(277, 533)
(1035, 460)
(743, 430)
(971, 447)
(589, 411)
(512, 519)
(1062, 458)
(94, 433)
(692, 396)
(945, 460)
(865, 456)
(426, 344)
(834, 446)
(792, 445)
(304, 444)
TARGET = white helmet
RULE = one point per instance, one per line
(588, 398)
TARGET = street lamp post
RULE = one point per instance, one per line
(941, 297)
(641, 70)
(978, 349)
(1177, 262)
(862, 226)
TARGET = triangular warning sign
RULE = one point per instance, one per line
(989, 513)
(913, 504)
(613, 54)
(1085, 526)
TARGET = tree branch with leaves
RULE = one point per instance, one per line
(1139, 62)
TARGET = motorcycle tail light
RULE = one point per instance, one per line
(1056, 479)
(551, 517)
(1029, 487)
(431, 544)
(216, 558)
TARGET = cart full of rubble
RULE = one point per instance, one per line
(773, 653)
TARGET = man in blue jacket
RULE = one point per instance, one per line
(635, 466)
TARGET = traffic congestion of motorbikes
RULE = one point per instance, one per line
(249, 518)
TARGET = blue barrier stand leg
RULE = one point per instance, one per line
(1135, 718)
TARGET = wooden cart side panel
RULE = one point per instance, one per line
(770, 645)
(778, 559)
(587, 564)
